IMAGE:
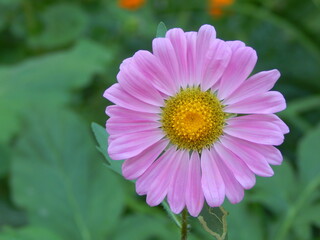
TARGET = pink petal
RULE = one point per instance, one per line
(125, 63)
(114, 111)
(177, 188)
(235, 44)
(124, 126)
(205, 38)
(164, 51)
(131, 144)
(212, 183)
(134, 167)
(179, 43)
(255, 85)
(160, 185)
(117, 95)
(194, 193)
(271, 153)
(240, 66)
(245, 150)
(252, 130)
(162, 164)
(136, 83)
(191, 58)
(216, 61)
(234, 191)
(275, 119)
(265, 103)
(238, 168)
(156, 72)
(271, 118)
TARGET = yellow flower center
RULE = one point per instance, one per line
(193, 119)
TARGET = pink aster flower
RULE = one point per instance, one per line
(190, 124)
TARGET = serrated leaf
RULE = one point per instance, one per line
(161, 30)
(56, 177)
(214, 221)
(46, 81)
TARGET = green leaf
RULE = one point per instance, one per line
(102, 139)
(9, 215)
(161, 30)
(29, 233)
(302, 226)
(63, 24)
(214, 221)
(276, 193)
(308, 162)
(57, 179)
(308, 155)
(46, 81)
(142, 227)
(7, 8)
(243, 222)
(4, 160)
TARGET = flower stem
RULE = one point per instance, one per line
(184, 223)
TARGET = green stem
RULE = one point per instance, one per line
(292, 213)
(184, 227)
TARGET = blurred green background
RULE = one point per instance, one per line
(56, 59)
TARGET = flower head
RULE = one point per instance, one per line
(189, 122)
(131, 4)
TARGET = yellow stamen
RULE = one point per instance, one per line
(193, 119)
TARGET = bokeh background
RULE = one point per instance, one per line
(56, 59)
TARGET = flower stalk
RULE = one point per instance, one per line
(184, 224)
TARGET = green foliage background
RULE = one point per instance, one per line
(56, 60)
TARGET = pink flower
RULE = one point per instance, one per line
(189, 122)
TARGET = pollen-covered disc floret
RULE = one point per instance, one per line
(193, 119)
